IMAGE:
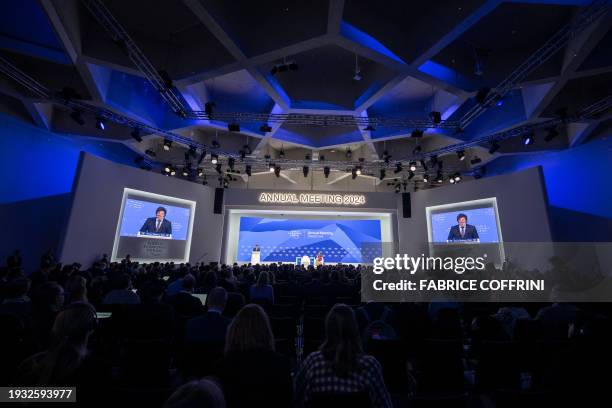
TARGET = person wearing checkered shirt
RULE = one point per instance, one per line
(340, 365)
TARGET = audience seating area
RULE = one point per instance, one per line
(150, 336)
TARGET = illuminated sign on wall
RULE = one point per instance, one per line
(312, 198)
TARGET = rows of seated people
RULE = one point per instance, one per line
(283, 336)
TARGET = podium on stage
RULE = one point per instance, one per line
(255, 257)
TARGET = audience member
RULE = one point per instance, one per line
(204, 393)
(212, 325)
(340, 365)
(252, 372)
(262, 291)
(122, 294)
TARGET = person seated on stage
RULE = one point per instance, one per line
(262, 290)
(252, 373)
(319, 259)
(122, 294)
(462, 231)
(305, 261)
(340, 365)
(158, 224)
(198, 393)
(212, 325)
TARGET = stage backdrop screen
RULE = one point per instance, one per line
(153, 227)
(287, 240)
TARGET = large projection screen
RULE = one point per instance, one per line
(140, 235)
(286, 237)
(481, 218)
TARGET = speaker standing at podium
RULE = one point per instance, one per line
(256, 255)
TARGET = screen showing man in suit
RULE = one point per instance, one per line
(462, 231)
(153, 227)
(157, 225)
(466, 223)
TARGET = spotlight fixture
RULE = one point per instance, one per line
(417, 133)
(457, 177)
(439, 178)
(233, 127)
(383, 174)
(475, 160)
(77, 116)
(277, 170)
(354, 173)
(357, 76)
(451, 180)
(493, 147)
(552, 133)
(204, 182)
(242, 155)
(248, 170)
(271, 169)
(225, 184)
(423, 165)
(247, 149)
(349, 153)
(281, 154)
(265, 129)
(167, 144)
(425, 178)
(200, 172)
(461, 155)
(410, 175)
(326, 171)
(230, 163)
(267, 157)
(135, 133)
(413, 166)
(167, 168)
(321, 158)
(358, 170)
(172, 172)
(435, 116)
(218, 168)
(397, 188)
(528, 139)
(185, 172)
(100, 123)
(386, 156)
(498, 100)
(370, 128)
(307, 157)
(398, 167)
(305, 170)
(214, 159)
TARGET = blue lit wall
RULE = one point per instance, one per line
(38, 168)
(578, 187)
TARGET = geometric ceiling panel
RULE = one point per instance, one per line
(325, 78)
(511, 32)
(258, 29)
(579, 93)
(408, 28)
(168, 33)
(601, 56)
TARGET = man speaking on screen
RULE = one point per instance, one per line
(462, 231)
(158, 224)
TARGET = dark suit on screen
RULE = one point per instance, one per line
(151, 223)
(470, 233)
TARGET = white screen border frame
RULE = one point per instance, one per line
(492, 201)
(154, 196)
(234, 215)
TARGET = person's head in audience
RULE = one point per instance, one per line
(263, 279)
(152, 292)
(49, 296)
(342, 345)
(188, 283)
(123, 282)
(71, 332)
(249, 331)
(16, 290)
(76, 289)
(217, 299)
(204, 393)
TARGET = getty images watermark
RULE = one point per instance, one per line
(510, 272)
